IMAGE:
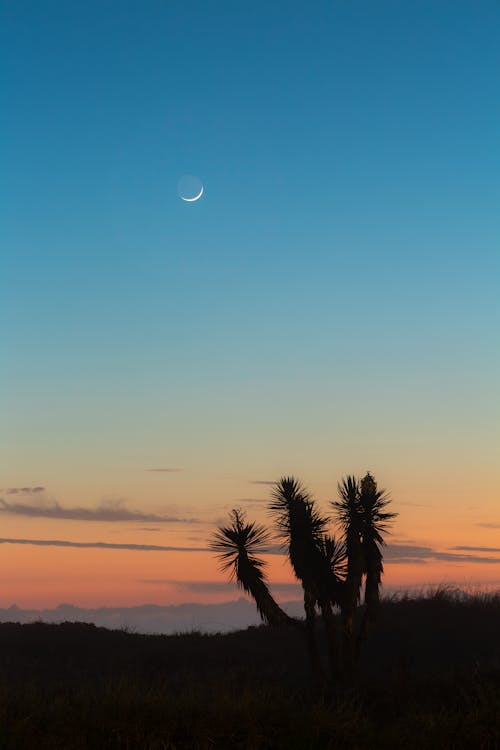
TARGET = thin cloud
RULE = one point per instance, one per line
(414, 554)
(450, 557)
(111, 510)
(393, 554)
(252, 505)
(23, 490)
(102, 545)
(261, 481)
(478, 549)
(407, 553)
(275, 549)
(489, 525)
(214, 587)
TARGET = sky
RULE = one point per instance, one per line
(329, 305)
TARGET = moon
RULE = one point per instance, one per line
(190, 188)
(196, 197)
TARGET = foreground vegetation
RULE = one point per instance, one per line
(428, 678)
(333, 571)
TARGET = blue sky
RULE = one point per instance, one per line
(333, 290)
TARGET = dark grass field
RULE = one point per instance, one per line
(429, 678)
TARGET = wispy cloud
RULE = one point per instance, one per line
(261, 481)
(393, 553)
(102, 545)
(110, 510)
(451, 557)
(23, 490)
(274, 549)
(406, 553)
(414, 554)
(489, 525)
(216, 587)
(478, 549)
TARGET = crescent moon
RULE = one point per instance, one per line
(196, 197)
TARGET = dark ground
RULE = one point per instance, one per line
(429, 677)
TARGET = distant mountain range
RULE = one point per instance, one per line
(154, 618)
(185, 618)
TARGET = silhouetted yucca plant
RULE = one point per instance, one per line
(235, 546)
(360, 511)
(316, 559)
(331, 571)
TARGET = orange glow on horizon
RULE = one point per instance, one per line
(39, 577)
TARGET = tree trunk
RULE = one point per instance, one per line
(317, 667)
(267, 606)
(332, 636)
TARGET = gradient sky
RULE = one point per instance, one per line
(328, 306)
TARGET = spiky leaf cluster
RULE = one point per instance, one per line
(316, 558)
(335, 556)
(240, 539)
(374, 518)
(360, 509)
(299, 523)
(361, 513)
(295, 512)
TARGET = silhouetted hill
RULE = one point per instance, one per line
(445, 631)
(429, 677)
